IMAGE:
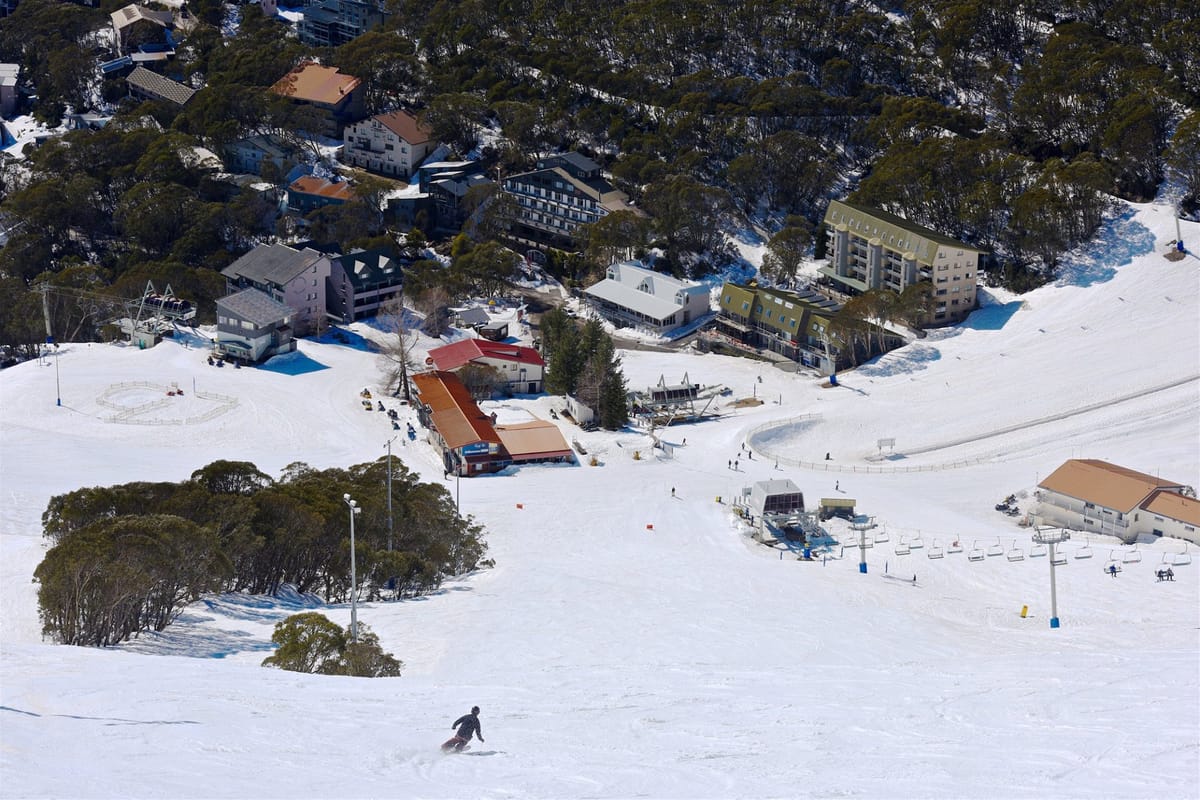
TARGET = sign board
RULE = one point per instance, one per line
(475, 449)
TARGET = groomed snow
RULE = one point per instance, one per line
(613, 659)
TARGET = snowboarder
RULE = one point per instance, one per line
(837, 486)
(672, 491)
(467, 725)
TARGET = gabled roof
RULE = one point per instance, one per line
(124, 17)
(455, 415)
(154, 84)
(630, 285)
(316, 84)
(255, 306)
(405, 125)
(274, 264)
(1174, 506)
(1104, 484)
(453, 356)
(371, 267)
(525, 441)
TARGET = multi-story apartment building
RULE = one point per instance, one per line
(295, 278)
(337, 96)
(871, 249)
(392, 144)
(564, 192)
(329, 23)
(793, 324)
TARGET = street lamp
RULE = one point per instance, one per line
(389, 491)
(354, 509)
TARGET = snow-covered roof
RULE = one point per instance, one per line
(632, 286)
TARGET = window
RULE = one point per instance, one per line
(389, 147)
(941, 291)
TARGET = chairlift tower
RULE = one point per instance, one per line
(862, 524)
(1051, 537)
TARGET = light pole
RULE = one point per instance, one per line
(354, 509)
(389, 491)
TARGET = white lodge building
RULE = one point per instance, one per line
(392, 144)
(1097, 497)
(631, 295)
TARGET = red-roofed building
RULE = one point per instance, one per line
(392, 144)
(520, 368)
(470, 442)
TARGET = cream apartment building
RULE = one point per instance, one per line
(872, 249)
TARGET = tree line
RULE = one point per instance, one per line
(581, 360)
(127, 559)
(1006, 123)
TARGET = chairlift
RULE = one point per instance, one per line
(1085, 551)
(954, 547)
(1132, 556)
(1038, 551)
(902, 549)
(996, 550)
(976, 554)
(1015, 553)
(935, 551)
(917, 543)
(1059, 559)
(1182, 559)
(882, 536)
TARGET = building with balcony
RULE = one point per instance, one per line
(361, 282)
(295, 278)
(330, 23)
(872, 249)
(796, 325)
(630, 295)
(1098, 497)
(391, 144)
(252, 326)
(563, 193)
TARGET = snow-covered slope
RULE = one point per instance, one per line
(630, 643)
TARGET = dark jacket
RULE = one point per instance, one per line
(468, 724)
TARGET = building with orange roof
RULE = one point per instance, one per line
(337, 96)
(470, 441)
(308, 193)
(1098, 497)
(392, 144)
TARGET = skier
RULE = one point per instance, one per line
(467, 724)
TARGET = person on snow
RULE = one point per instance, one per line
(467, 725)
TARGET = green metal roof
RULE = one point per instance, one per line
(893, 232)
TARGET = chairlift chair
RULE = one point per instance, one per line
(1059, 559)
(1131, 556)
(976, 554)
(902, 549)
(1038, 551)
(1015, 553)
(917, 543)
(996, 549)
(935, 551)
(882, 536)
(1085, 551)
(1182, 559)
(954, 547)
